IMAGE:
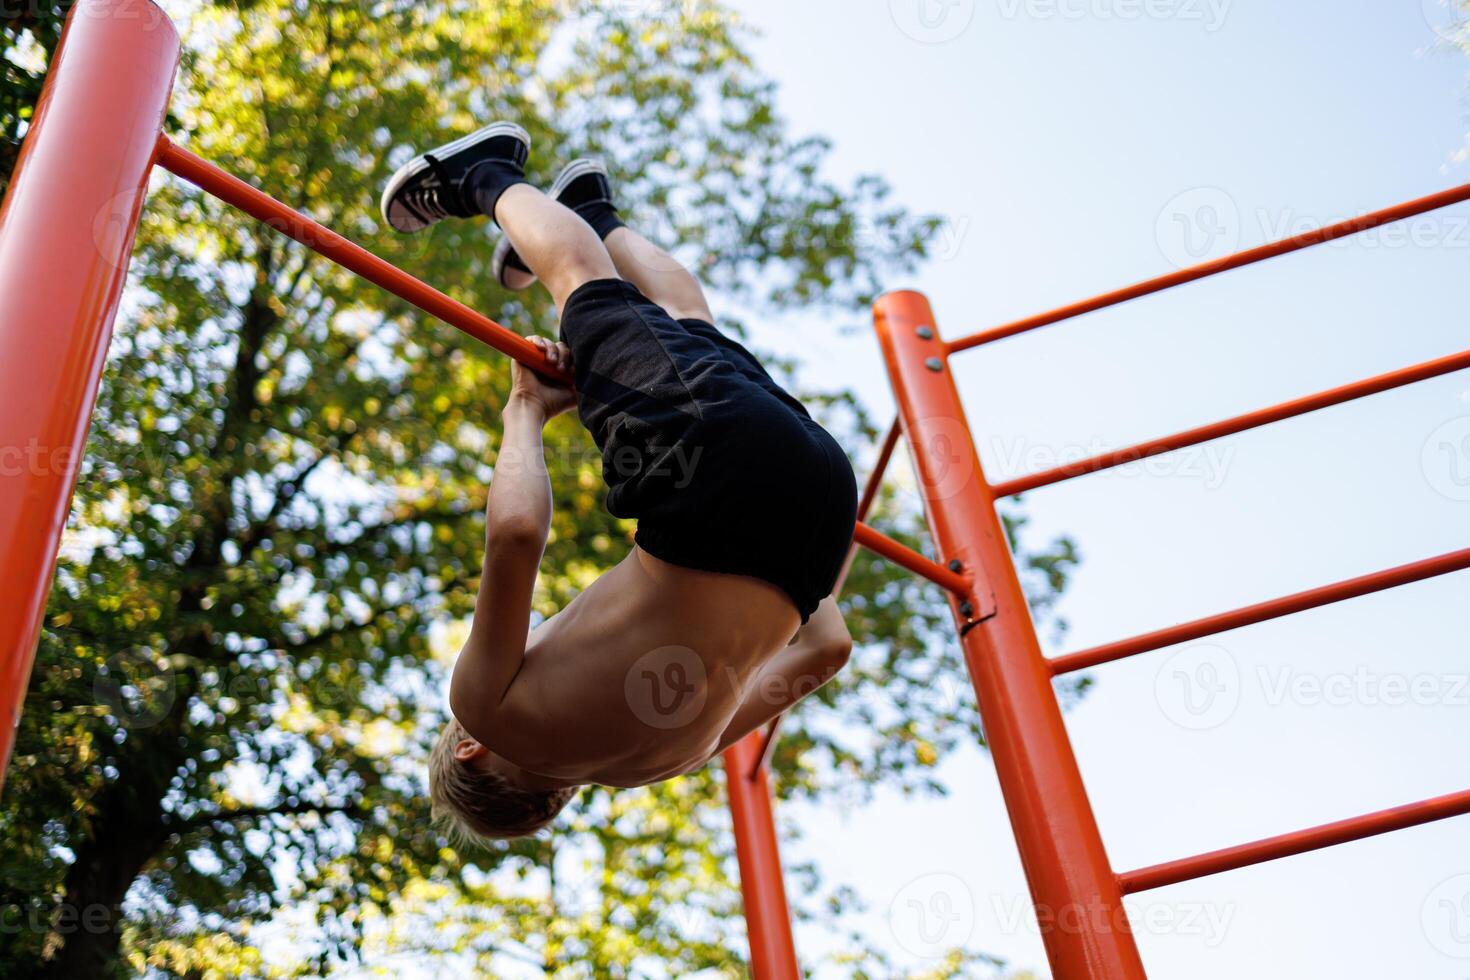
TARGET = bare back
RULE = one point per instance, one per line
(639, 676)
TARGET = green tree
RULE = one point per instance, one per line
(28, 36)
(278, 526)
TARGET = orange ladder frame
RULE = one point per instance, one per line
(69, 222)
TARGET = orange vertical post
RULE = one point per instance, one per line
(1077, 897)
(767, 917)
(66, 236)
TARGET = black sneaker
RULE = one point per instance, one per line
(581, 184)
(432, 187)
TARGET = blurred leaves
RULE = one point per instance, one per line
(28, 34)
(278, 526)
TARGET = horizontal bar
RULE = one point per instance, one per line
(1300, 842)
(1318, 236)
(880, 470)
(870, 494)
(317, 237)
(865, 504)
(911, 559)
(768, 746)
(293, 224)
(1240, 423)
(1352, 588)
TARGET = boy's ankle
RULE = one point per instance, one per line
(603, 217)
(487, 180)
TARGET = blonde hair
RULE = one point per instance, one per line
(471, 803)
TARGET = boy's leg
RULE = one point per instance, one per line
(658, 275)
(484, 173)
(557, 245)
(584, 186)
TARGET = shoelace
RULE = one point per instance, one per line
(424, 201)
(424, 204)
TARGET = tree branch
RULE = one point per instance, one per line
(286, 491)
(440, 516)
(326, 636)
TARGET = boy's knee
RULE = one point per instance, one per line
(586, 265)
(689, 311)
(572, 272)
(684, 301)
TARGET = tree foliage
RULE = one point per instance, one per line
(28, 35)
(278, 526)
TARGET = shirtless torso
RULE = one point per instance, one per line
(648, 673)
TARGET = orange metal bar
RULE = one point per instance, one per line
(767, 917)
(1251, 420)
(1300, 842)
(66, 236)
(1075, 891)
(880, 470)
(870, 493)
(865, 504)
(1260, 612)
(955, 582)
(1297, 242)
(767, 746)
(319, 238)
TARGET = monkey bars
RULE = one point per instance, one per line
(69, 222)
(1061, 849)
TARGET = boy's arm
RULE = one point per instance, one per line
(820, 650)
(517, 519)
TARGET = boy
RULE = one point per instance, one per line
(745, 511)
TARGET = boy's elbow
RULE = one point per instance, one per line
(517, 535)
(836, 652)
(460, 703)
(466, 697)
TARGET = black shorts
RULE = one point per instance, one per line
(723, 470)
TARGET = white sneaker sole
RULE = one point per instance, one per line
(515, 278)
(420, 163)
(574, 171)
(509, 277)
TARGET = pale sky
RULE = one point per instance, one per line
(1078, 145)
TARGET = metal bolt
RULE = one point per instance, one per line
(967, 610)
(934, 364)
(955, 565)
(925, 333)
